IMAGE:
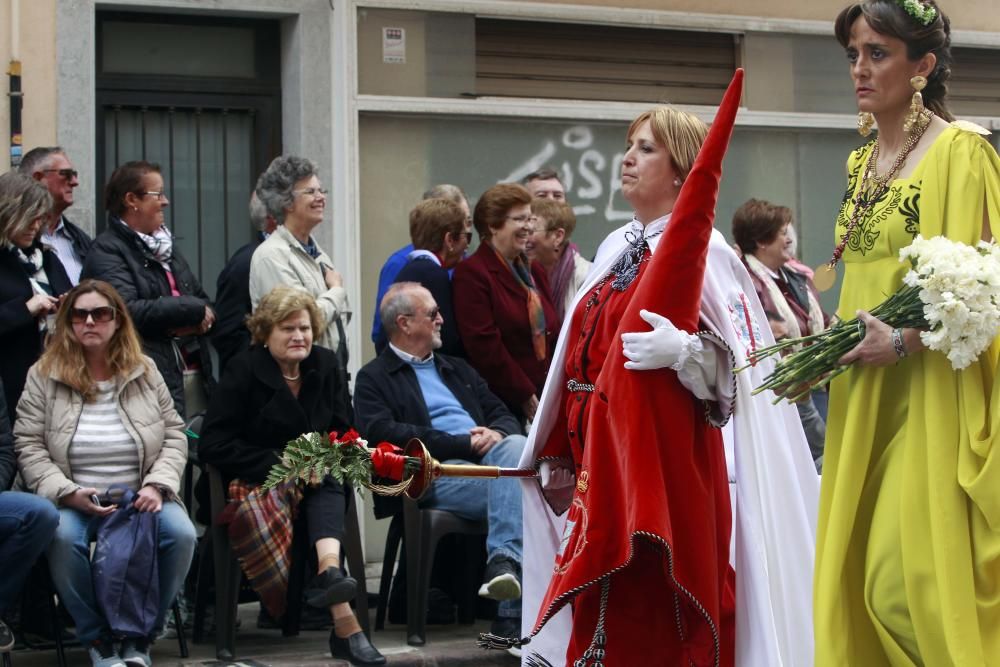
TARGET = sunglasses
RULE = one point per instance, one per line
(101, 314)
(68, 174)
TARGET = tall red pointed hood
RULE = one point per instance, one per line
(672, 283)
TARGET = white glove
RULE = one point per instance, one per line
(665, 346)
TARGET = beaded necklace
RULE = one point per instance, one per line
(873, 187)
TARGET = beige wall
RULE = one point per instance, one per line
(38, 74)
(964, 14)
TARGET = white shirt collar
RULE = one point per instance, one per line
(409, 358)
(424, 253)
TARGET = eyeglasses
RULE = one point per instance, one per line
(312, 192)
(100, 314)
(431, 314)
(521, 219)
(161, 195)
(68, 174)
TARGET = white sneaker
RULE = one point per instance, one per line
(135, 653)
(102, 654)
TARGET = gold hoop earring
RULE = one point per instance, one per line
(865, 123)
(916, 119)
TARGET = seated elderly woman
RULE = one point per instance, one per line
(440, 232)
(293, 195)
(550, 246)
(31, 280)
(506, 319)
(760, 229)
(281, 387)
(95, 411)
(136, 254)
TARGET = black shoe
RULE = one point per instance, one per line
(503, 626)
(6, 637)
(329, 588)
(356, 649)
(502, 580)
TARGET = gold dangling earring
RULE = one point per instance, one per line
(916, 118)
(865, 123)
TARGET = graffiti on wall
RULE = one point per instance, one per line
(592, 178)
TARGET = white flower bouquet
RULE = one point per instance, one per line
(952, 292)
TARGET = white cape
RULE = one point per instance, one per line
(773, 481)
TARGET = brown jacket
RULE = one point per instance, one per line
(47, 417)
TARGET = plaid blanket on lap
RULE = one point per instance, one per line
(260, 533)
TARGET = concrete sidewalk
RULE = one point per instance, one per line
(447, 646)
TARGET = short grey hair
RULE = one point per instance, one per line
(447, 191)
(22, 201)
(258, 213)
(398, 300)
(38, 158)
(275, 185)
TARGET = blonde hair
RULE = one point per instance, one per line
(63, 357)
(557, 215)
(22, 201)
(277, 306)
(678, 131)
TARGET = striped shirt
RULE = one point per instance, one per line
(102, 452)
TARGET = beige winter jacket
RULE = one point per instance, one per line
(280, 260)
(47, 417)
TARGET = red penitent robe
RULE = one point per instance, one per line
(670, 596)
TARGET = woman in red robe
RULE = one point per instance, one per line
(644, 559)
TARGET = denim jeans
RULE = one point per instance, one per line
(496, 500)
(27, 523)
(69, 561)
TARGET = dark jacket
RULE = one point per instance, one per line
(495, 329)
(20, 340)
(253, 414)
(8, 462)
(119, 257)
(79, 239)
(230, 335)
(389, 407)
(437, 280)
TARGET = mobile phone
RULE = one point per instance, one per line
(94, 498)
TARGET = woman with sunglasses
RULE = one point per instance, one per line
(441, 232)
(293, 195)
(507, 322)
(95, 412)
(31, 280)
(136, 254)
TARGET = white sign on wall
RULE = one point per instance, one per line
(394, 45)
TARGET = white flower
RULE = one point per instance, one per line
(959, 287)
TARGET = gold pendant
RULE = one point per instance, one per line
(824, 277)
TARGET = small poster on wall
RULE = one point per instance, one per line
(394, 45)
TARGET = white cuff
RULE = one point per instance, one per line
(696, 368)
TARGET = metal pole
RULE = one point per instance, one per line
(16, 103)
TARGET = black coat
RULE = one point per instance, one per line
(230, 335)
(433, 276)
(389, 407)
(20, 341)
(119, 257)
(8, 462)
(78, 238)
(253, 414)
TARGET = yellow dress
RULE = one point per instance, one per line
(908, 551)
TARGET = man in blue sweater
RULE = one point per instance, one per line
(409, 391)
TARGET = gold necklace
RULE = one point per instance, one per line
(872, 188)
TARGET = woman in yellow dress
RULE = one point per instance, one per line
(908, 554)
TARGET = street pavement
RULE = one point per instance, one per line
(447, 646)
